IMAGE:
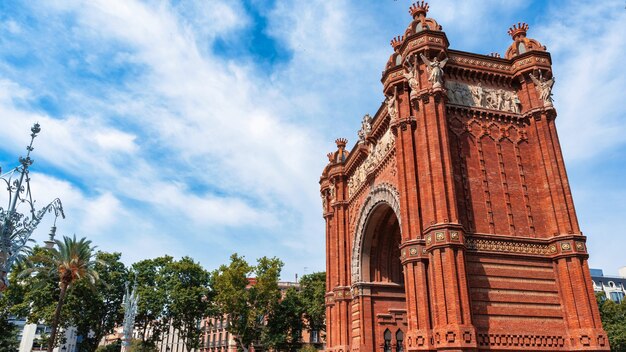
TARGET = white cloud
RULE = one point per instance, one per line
(195, 153)
(589, 91)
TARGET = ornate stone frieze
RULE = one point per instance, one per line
(470, 61)
(508, 246)
(521, 341)
(478, 96)
(377, 154)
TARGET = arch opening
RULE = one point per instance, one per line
(381, 247)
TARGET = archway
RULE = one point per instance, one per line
(379, 275)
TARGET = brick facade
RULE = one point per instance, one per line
(450, 224)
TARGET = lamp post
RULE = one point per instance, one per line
(16, 228)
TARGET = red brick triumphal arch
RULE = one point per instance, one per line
(450, 225)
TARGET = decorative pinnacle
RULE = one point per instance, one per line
(397, 41)
(520, 29)
(420, 7)
(35, 129)
(341, 143)
(494, 54)
(331, 157)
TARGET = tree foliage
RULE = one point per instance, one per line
(313, 291)
(189, 299)
(69, 263)
(9, 336)
(151, 288)
(613, 317)
(247, 304)
(95, 313)
(283, 331)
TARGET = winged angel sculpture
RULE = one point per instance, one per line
(435, 70)
(544, 87)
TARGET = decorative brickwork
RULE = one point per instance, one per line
(450, 225)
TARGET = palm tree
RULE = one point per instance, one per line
(70, 261)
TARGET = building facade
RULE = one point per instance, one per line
(450, 224)
(614, 287)
(30, 336)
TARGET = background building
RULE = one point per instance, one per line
(30, 337)
(217, 339)
(614, 287)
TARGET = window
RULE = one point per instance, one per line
(399, 341)
(387, 345)
(398, 60)
(617, 297)
(521, 48)
(315, 336)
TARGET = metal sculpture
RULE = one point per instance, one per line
(131, 299)
(17, 228)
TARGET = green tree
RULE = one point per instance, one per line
(141, 346)
(95, 313)
(70, 262)
(283, 331)
(613, 317)
(114, 347)
(188, 299)
(247, 304)
(34, 296)
(313, 291)
(149, 276)
(9, 336)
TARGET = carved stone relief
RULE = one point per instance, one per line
(482, 97)
(377, 154)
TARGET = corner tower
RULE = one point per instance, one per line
(450, 225)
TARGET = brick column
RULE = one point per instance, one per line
(582, 317)
(443, 235)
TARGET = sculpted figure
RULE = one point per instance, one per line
(508, 101)
(515, 103)
(452, 93)
(391, 106)
(435, 70)
(411, 75)
(492, 99)
(478, 94)
(500, 99)
(366, 127)
(544, 87)
(332, 191)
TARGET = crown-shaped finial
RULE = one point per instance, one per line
(396, 42)
(420, 7)
(341, 143)
(520, 29)
(331, 157)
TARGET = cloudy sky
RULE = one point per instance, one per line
(201, 127)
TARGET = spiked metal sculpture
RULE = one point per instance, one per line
(131, 300)
(17, 228)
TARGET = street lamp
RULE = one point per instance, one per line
(16, 228)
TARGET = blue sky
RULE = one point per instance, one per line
(201, 127)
